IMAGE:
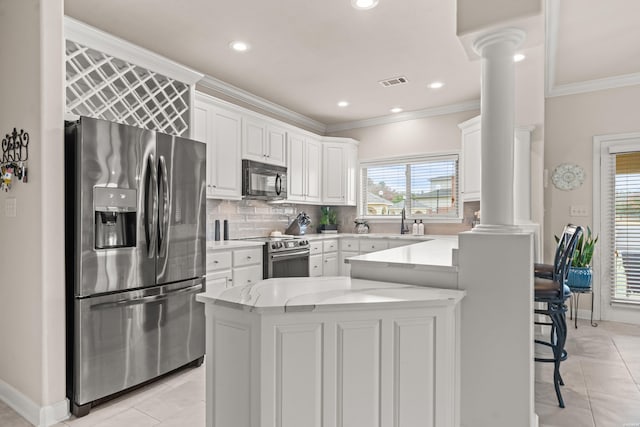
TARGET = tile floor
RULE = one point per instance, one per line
(602, 377)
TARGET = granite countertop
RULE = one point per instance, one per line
(436, 254)
(298, 294)
(232, 244)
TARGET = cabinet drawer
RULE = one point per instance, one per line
(219, 260)
(315, 266)
(243, 257)
(350, 245)
(373, 245)
(330, 245)
(315, 247)
(247, 275)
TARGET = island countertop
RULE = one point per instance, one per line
(326, 293)
(436, 254)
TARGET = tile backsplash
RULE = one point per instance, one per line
(257, 218)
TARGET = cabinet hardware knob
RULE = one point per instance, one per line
(215, 261)
(248, 257)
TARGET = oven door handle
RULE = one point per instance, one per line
(289, 254)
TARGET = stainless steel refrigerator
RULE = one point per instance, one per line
(135, 251)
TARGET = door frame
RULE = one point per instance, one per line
(602, 307)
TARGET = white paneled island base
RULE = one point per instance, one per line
(331, 352)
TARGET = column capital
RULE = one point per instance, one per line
(510, 35)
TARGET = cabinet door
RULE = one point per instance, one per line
(253, 140)
(296, 169)
(471, 165)
(313, 157)
(352, 176)
(276, 146)
(225, 157)
(202, 131)
(330, 264)
(334, 174)
(315, 265)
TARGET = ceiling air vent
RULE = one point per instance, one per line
(394, 81)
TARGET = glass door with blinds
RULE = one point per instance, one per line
(625, 225)
(619, 226)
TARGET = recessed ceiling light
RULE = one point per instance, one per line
(364, 4)
(343, 104)
(396, 110)
(436, 85)
(518, 57)
(239, 46)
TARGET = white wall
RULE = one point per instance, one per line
(419, 136)
(32, 360)
(571, 122)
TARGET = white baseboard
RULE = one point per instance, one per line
(40, 416)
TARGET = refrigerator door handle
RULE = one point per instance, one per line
(148, 299)
(150, 222)
(163, 227)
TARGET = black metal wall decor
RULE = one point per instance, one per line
(13, 162)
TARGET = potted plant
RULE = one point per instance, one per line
(580, 272)
(328, 220)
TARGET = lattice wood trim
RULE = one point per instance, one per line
(104, 87)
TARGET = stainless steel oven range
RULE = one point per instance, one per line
(285, 257)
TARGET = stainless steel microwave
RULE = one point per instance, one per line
(264, 182)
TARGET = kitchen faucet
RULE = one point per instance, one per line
(403, 228)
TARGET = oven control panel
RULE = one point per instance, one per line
(285, 245)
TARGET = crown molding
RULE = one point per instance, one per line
(119, 48)
(552, 12)
(242, 95)
(594, 85)
(410, 115)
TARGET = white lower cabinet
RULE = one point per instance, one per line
(315, 265)
(341, 367)
(227, 267)
(330, 264)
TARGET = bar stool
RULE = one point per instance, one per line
(551, 289)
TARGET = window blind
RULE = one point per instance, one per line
(624, 225)
(427, 187)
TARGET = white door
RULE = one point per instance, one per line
(225, 158)
(276, 146)
(296, 169)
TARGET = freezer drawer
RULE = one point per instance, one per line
(124, 339)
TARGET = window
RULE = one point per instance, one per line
(624, 223)
(427, 187)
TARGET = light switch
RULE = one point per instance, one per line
(10, 207)
(578, 210)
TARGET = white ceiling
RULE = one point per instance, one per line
(306, 56)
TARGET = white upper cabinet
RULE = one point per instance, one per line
(263, 142)
(303, 169)
(221, 130)
(471, 155)
(339, 174)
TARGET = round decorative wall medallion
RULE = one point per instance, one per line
(567, 176)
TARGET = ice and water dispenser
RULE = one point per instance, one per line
(115, 217)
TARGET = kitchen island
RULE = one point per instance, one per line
(430, 263)
(331, 351)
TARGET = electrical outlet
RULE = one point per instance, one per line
(578, 210)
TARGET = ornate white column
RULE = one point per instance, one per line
(497, 101)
